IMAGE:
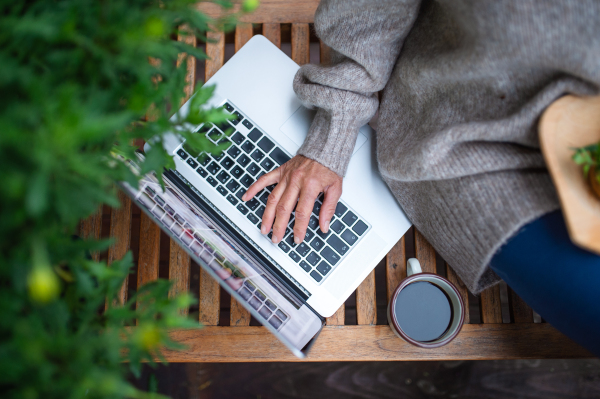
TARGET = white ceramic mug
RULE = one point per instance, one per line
(457, 306)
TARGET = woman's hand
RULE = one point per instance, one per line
(301, 178)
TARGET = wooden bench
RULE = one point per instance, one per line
(228, 335)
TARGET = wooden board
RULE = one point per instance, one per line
(273, 33)
(179, 271)
(338, 318)
(215, 51)
(120, 229)
(395, 267)
(425, 253)
(269, 11)
(91, 228)
(371, 343)
(572, 122)
(300, 44)
(520, 312)
(366, 307)
(190, 63)
(491, 305)
(460, 286)
(149, 253)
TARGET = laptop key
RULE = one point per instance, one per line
(247, 147)
(227, 163)
(289, 240)
(247, 180)
(340, 246)
(255, 302)
(204, 159)
(254, 135)
(192, 162)
(265, 312)
(233, 186)
(247, 123)
(349, 237)
(270, 305)
(259, 212)
(284, 247)
(338, 227)
(228, 107)
(324, 268)
(313, 258)
(242, 209)
(281, 315)
(213, 168)
(275, 322)
(240, 193)
(244, 160)
(260, 295)
(238, 138)
(313, 223)
(309, 235)
(265, 144)
(317, 244)
(232, 200)
(305, 266)
(223, 177)
(252, 204)
(201, 172)
(360, 227)
(211, 180)
(350, 219)
(237, 171)
(234, 151)
(321, 234)
(257, 155)
(222, 191)
(330, 256)
(316, 207)
(252, 217)
(238, 118)
(314, 274)
(245, 293)
(303, 249)
(279, 156)
(267, 164)
(253, 169)
(340, 209)
(264, 197)
(182, 154)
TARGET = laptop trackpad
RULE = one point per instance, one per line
(296, 127)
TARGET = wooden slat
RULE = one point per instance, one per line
(460, 286)
(338, 318)
(395, 267)
(179, 271)
(209, 301)
(91, 228)
(300, 44)
(366, 306)
(376, 343)
(273, 33)
(424, 252)
(324, 54)
(269, 11)
(215, 50)
(243, 33)
(238, 315)
(149, 253)
(120, 230)
(190, 76)
(520, 312)
(491, 305)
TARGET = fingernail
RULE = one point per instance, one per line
(263, 230)
(244, 197)
(326, 227)
(275, 240)
(297, 240)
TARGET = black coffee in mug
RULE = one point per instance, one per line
(423, 311)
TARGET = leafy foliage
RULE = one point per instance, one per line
(589, 158)
(76, 84)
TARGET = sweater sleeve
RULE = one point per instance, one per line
(366, 37)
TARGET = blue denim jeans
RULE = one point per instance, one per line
(559, 280)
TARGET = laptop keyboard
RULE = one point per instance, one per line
(266, 307)
(250, 153)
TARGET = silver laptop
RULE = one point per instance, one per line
(289, 288)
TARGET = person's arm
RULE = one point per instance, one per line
(366, 38)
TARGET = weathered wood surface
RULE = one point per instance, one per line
(491, 305)
(270, 11)
(462, 289)
(300, 44)
(215, 51)
(91, 228)
(338, 318)
(120, 229)
(370, 343)
(366, 306)
(179, 271)
(273, 33)
(149, 252)
(243, 33)
(425, 253)
(520, 312)
(395, 267)
(190, 61)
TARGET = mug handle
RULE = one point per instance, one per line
(413, 266)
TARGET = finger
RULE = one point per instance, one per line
(332, 196)
(272, 201)
(283, 210)
(303, 213)
(264, 181)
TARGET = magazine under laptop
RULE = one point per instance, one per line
(204, 233)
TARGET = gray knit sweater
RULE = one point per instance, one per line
(464, 84)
